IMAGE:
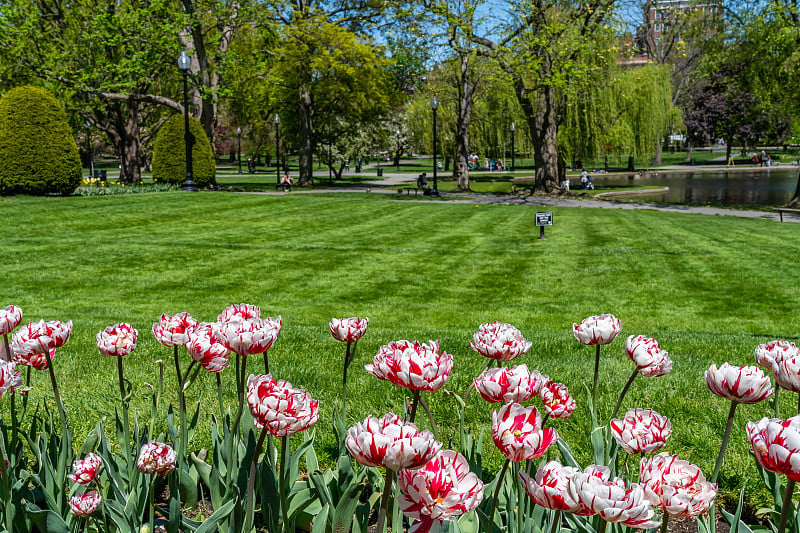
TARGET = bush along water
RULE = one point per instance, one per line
(389, 474)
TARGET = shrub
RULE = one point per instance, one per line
(38, 154)
(169, 153)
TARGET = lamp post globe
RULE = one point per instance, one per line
(399, 148)
(239, 147)
(434, 107)
(513, 128)
(184, 63)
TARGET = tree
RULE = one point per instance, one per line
(169, 154)
(327, 77)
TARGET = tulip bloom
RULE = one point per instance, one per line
(556, 400)
(85, 503)
(647, 355)
(596, 329)
(85, 470)
(746, 384)
(281, 408)
(414, 366)
(611, 499)
(9, 377)
(641, 431)
(156, 458)
(550, 488)
(499, 341)
(443, 489)
(238, 312)
(391, 443)
(40, 337)
(787, 373)
(676, 486)
(768, 353)
(117, 340)
(517, 432)
(10, 318)
(206, 348)
(509, 384)
(248, 337)
(348, 329)
(34, 360)
(776, 444)
(174, 330)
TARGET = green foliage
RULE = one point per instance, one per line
(38, 154)
(169, 153)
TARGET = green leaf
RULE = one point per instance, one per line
(47, 520)
(319, 524)
(469, 523)
(343, 514)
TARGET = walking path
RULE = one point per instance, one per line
(391, 181)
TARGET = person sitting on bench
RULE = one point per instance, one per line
(286, 182)
(422, 183)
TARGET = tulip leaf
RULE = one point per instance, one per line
(469, 523)
(312, 464)
(47, 520)
(343, 514)
(319, 523)
(566, 454)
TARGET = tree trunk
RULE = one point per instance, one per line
(122, 128)
(544, 129)
(466, 92)
(306, 134)
(657, 158)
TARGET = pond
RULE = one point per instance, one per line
(756, 187)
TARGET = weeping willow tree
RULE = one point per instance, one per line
(628, 116)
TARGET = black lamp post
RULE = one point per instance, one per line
(513, 129)
(89, 149)
(397, 156)
(239, 147)
(188, 139)
(330, 158)
(434, 107)
(277, 151)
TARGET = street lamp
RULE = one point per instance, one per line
(434, 107)
(239, 147)
(330, 158)
(188, 139)
(277, 151)
(89, 149)
(513, 128)
(397, 156)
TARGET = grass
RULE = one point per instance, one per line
(709, 288)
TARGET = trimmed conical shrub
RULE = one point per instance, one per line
(38, 154)
(169, 153)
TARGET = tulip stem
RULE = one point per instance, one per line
(266, 363)
(414, 403)
(664, 523)
(152, 498)
(55, 390)
(496, 495)
(219, 395)
(126, 428)
(556, 522)
(775, 399)
(282, 485)
(625, 391)
(434, 427)
(251, 482)
(787, 504)
(348, 358)
(724, 444)
(6, 488)
(27, 386)
(596, 375)
(8, 356)
(385, 498)
(242, 367)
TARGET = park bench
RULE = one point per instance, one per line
(408, 190)
(782, 210)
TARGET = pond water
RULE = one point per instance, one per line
(758, 186)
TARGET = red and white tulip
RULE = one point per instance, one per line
(10, 318)
(248, 337)
(156, 458)
(641, 431)
(85, 470)
(517, 432)
(647, 355)
(281, 408)
(745, 384)
(117, 340)
(38, 338)
(174, 330)
(597, 329)
(556, 400)
(776, 444)
(550, 488)
(205, 348)
(442, 490)
(85, 503)
(510, 384)
(9, 378)
(391, 443)
(768, 353)
(348, 329)
(416, 365)
(499, 341)
(611, 499)
(238, 312)
(676, 486)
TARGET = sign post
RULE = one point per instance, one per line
(542, 220)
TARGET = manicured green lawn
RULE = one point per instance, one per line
(709, 288)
